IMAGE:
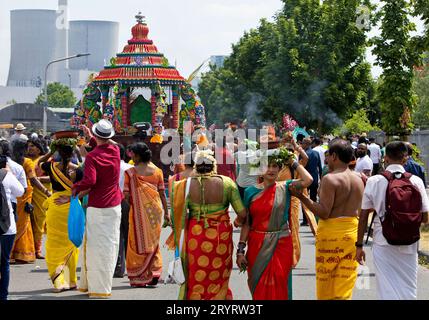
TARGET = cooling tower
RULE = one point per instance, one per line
(99, 38)
(34, 43)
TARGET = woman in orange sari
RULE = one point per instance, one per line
(267, 231)
(144, 190)
(23, 249)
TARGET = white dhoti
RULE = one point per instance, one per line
(100, 251)
(395, 272)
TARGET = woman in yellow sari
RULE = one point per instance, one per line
(61, 254)
(38, 218)
(144, 190)
(23, 249)
(286, 174)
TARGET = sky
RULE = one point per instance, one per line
(186, 31)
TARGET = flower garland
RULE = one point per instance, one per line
(279, 157)
(206, 156)
(62, 142)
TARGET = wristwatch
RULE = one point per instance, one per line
(358, 245)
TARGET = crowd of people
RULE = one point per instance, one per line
(334, 184)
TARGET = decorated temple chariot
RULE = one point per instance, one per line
(139, 86)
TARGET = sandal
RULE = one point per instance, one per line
(154, 282)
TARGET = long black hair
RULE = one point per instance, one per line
(3, 161)
(66, 153)
(5, 148)
(19, 149)
(142, 150)
(38, 144)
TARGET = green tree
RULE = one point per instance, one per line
(357, 124)
(420, 114)
(223, 96)
(398, 53)
(309, 62)
(59, 96)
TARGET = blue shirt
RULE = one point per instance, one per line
(414, 168)
(314, 167)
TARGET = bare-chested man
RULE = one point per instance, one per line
(341, 194)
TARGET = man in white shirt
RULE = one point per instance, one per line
(19, 133)
(363, 163)
(395, 266)
(14, 189)
(320, 150)
(246, 176)
(16, 169)
(125, 209)
(375, 155)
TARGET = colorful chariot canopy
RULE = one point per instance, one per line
(140, 63)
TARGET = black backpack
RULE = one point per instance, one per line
(4, 206)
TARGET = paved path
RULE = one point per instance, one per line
(31, 282)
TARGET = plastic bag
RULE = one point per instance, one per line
(76, 222)
(175, 270)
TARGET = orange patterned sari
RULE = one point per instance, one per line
(23, 248)
(144, 260)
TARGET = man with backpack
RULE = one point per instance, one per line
(401, 204)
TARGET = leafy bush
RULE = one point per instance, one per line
(357, 124)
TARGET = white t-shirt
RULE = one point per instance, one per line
(246, 176)
(375, 152)
(13, 188)
(124, 167)
(19, 172)
(364, 163)
(18, 136)
(374, 197)
(321, 151)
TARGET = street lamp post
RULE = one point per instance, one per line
(45, 115)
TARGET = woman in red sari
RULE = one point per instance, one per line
(267, 231)
(144, 190)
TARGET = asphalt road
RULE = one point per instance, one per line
(31, 282)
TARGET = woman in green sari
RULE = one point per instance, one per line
(203, 216)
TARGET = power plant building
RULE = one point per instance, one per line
(100, 38)
(40, 36)
(34, 42)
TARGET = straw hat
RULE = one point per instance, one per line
(20, 127)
